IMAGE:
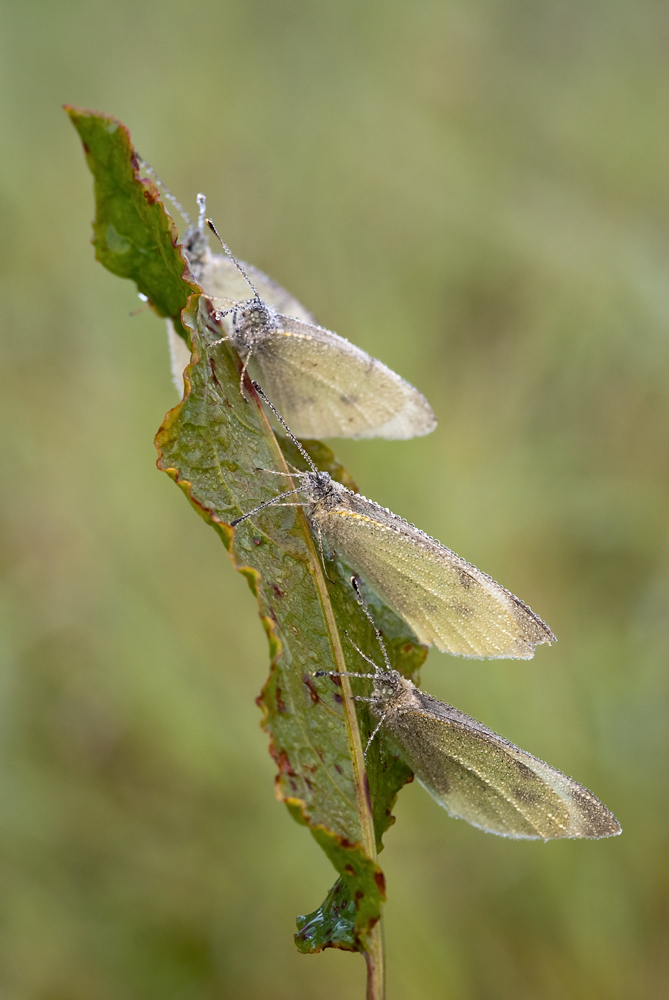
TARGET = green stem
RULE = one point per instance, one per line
(376, 963)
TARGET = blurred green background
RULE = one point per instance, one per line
(476, 192)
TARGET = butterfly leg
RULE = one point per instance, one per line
(375, 731)
(273, 472)
(320, 548)
(243, 376)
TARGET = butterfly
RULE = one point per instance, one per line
(474, 773)
(325, 386)
(445, 600)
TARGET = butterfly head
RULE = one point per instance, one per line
(252, 320)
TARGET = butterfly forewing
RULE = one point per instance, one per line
(325, 386)
(446, 601)
(482, 778)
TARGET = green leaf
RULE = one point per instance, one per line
(220, 449)
(216, 445)
(134, 237)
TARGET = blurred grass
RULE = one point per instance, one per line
(477, 193)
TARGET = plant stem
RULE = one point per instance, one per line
(376, 963)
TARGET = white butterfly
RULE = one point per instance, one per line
(324, 385)
(472, 772)
(445, 600)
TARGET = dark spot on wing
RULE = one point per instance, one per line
(465, 578)
(526, 771)
(522, 795)
(599, 821)
(463, 610)
(348, 400)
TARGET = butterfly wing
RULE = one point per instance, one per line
(221, 279)
(447, 602)
(479, 776)
(325, 386)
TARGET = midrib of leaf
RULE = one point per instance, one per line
(363, 803)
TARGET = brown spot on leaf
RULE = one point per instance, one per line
(278, 591)
(380, 880)
(350, 870)
(280, 703)
(212, 365)
(307, 681)
(282, 762)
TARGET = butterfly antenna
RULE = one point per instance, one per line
(377, 670)
(202, 205)
(307, 458)
(231, 256)
(165, 190)
(363, 604)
